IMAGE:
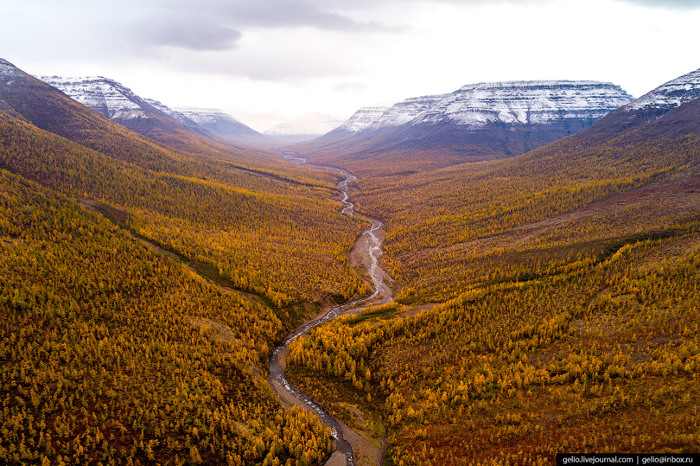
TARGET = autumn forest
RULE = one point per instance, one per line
(541, 303)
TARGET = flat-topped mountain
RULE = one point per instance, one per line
(513, 102)
(482, 120)
(525, 102)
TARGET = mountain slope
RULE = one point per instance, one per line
(204, 209)
(547, 302)
(148, 117)
(51, 110)
(650, 106)
(155, 120)
(223, 125)
(476, 122)
(112, 352)
(185, 153)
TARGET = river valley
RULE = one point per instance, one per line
(352, 448)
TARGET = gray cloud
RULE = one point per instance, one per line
(667, 4)
(217, 24)
(187, 34)
(277, 14)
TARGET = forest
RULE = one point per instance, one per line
(109, 352)
(257, 234)
(115, 348)
(544, 303)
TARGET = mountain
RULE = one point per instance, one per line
(49, 109)
(221, 124)
(361, 120)
(213, 123)
(118, 103)
(176, 129)
(181, 151)
(84, 205)
(551, 265)
(114, 101)
(483, 120)
(651, 106)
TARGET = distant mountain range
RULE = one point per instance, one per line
(481, 120)
(476, 122)
(147, 116)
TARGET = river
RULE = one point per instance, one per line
(372, 247)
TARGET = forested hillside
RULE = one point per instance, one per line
(559, 304)
(112, 353)
(544, 303)
(115, 351)
(256, 221)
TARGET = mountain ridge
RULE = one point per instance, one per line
(478, 121)
(515, 102)
(147, 116)
(650, 106)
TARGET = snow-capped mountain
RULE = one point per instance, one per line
(363, 118)
(220, 123)
(405, 111)
(170, 112)
(148, 116)
(669, 95)
(514, 102)
(525, 102)
(106, 96)
(651, 106)
(483, 119)
(8, 71)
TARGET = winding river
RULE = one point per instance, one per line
(285, 390)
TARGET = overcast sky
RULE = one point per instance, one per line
(288, 61)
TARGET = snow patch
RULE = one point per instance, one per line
(670, 95)
(525, 102)
(363, 118)
(106, 96)
(508, 102)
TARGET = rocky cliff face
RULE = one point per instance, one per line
(479, 120)
(108, 97)
(148, 116)
(509, 103)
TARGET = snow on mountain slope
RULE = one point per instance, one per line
(512, 102)
(221, 124)
(671, 94)
(405, 111)
(206, 116)
(148, 116)
(362, 119)
(525, 102)
(8, 71)
(103, 95)
(179, 116)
